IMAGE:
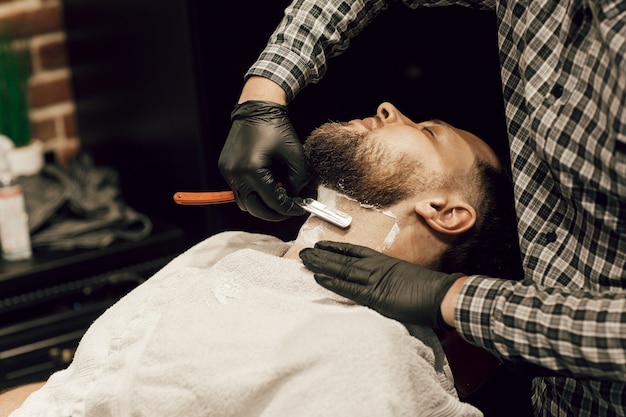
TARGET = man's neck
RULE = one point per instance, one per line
(370, 227)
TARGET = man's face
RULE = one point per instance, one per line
(383, 159)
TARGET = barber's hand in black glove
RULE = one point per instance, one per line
(397, 289)
(262, 149)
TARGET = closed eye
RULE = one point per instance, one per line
(430, 132)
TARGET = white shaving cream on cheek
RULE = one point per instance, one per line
(393, 233)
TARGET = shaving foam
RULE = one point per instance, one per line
(391, 237)
(309, 233)
(393, 233)
(328, 197)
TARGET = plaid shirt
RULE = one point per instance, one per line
(564, 82)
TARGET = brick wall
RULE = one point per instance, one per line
(39, 24)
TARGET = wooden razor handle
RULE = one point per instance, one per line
(202, 198)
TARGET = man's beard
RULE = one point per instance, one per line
(360, 166)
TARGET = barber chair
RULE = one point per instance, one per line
(484, 381)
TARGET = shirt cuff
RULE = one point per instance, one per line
(284, 67)
(475, 311)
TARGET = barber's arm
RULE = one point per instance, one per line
(544, 331)
(262, 148)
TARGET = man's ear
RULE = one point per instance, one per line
(451, 215)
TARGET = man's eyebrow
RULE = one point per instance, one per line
(437, 122)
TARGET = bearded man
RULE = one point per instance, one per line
(237, 325)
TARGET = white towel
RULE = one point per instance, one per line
(227, 332)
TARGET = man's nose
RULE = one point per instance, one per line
(388, 113)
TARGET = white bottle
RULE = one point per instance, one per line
(14, 234)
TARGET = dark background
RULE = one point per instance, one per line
(155, 82)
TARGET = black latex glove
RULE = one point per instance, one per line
(261, 149)
(397, 289)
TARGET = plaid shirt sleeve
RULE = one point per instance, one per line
(311, 32)
(578, 333)
(563, 71)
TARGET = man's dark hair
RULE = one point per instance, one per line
(491, 247)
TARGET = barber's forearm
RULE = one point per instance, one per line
(449, 301)
(260, 88)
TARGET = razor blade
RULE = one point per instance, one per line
(331, 215)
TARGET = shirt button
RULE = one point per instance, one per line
(550, 237)
(557, 91)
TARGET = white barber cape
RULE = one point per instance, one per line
(229, 328)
